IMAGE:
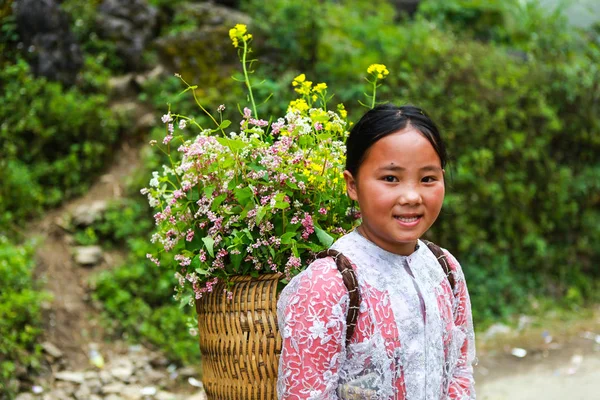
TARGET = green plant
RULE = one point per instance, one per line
(20, 314)
(137, 301)
(51, 138)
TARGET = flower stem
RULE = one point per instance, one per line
(248, 79)
(374, 92)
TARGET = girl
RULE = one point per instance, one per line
(413, 337)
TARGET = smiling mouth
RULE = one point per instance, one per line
(410, 219)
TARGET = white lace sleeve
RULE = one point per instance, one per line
(462, 384)
(312, 320)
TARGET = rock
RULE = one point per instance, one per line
(121, 86)
(145, 122)
(122, 369)
(83, 393)
(87, 214)
(186, 372)
(25, 396)
(132, 392)
(105, 377)
(52, 350)
(151, 75)
(204, 55)
(116, 387)
(162, 395)
(52, 49)
(155, 376)
(201, 395)
(113, 397)
(88, 255)
(497, 329)
(129, 24)
(68, 376)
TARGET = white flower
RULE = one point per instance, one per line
(318, 329)
(166, 118)
(154, 180)
(182, 123)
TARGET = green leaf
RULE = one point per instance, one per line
(209, 243)
(234, 145)
(225, 124)
(236, 259)
(244, 195)
(286, 238)
(282, 204)
(208, 191)
(217, 201)
(262, 211)
(324, 237)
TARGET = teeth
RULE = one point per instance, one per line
(411, 219)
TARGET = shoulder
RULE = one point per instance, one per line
(321, 279)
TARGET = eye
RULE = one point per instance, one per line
(429, 179)
(390, 178)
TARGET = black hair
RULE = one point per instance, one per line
(384, 120)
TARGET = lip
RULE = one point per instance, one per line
(408, 224)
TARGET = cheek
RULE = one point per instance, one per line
(436, 197)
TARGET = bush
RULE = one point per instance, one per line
(53, 141)
(20, 314)
(138, 301)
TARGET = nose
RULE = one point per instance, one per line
(409, 196)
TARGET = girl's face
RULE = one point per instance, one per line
(399, 188)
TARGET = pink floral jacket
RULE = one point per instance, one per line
(413, 340)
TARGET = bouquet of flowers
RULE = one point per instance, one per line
(262, 198)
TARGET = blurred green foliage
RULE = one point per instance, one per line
(20, 314)
(53, 140)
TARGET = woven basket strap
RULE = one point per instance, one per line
(441, 257)
(351, 283)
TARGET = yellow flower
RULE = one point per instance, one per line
(298, 105)
(319, 87)
(238, 33)
(380, 71)
(298, 80)
(342, 111)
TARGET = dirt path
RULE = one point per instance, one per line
(71, 321)
(567, 367)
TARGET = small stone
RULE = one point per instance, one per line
(87, 214)
(497, 329)
(113, 388)
(83, 393)
(155, 376)
(52, 350)
(162, 395)
(148, 391)
(88, 375)
(68, 376)
(88, 255)
(201, 395)
(113, 397)
(186, 372)
(132, 392)
(105, 377)
(25, 396)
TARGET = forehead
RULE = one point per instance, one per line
(406, 148)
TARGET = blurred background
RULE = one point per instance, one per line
(513, 84)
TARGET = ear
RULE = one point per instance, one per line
(351, 185)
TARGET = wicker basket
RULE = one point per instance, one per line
(239, 339)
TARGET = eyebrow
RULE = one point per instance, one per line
(397, 168)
